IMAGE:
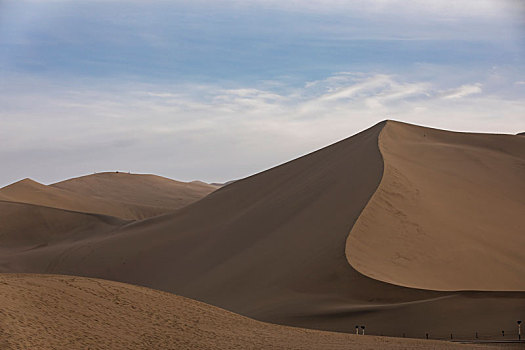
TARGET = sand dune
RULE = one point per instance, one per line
(272, 247)
(61, 312)
(126, 196)
(31, 192)
(448, 214)
(138, 189)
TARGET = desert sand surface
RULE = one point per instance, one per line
(65, 312)
(448, 214)
(104, 193)
(273, 247)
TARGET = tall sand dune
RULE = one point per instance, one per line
(276, 246)
(62, 312)
(448, 214)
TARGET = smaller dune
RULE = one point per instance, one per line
(138, 189)
(66, 312)
(31, 192)
(122, 195)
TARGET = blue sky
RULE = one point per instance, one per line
(218, 90)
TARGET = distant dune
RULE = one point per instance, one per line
(122, 195)
(31, 192)
(63, 312)
(224, 183)
(385, 228)
(138, 189)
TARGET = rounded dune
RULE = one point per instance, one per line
(122, 195)
(138, 189)
(31, 192)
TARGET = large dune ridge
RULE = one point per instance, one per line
(448, 213)
(65, 312)
(273, 247)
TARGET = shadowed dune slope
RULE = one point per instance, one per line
(272, 247)
(448, 214)
(26, 226)
(62, 312)
(138, 189)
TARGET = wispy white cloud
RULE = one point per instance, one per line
(214, 133)
(462, 91)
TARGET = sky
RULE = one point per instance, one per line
(219, 90)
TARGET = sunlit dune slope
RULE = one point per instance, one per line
(448, 214)
(138, 189)
(62, 312)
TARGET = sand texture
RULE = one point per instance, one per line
(62, 312)
(274, 246)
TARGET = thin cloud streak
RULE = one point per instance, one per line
(208, 132)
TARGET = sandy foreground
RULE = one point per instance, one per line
(64, 312)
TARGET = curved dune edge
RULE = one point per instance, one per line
(446, 214)
(64, 312)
